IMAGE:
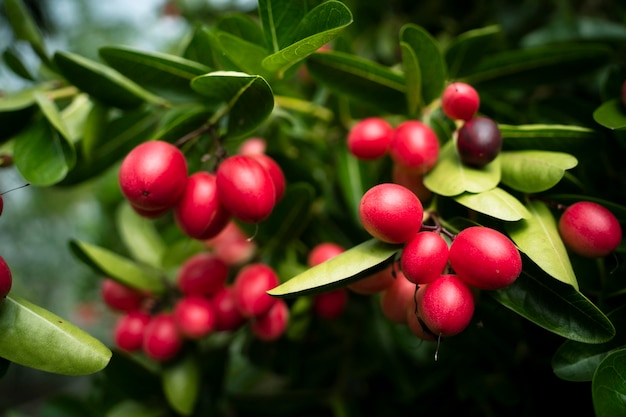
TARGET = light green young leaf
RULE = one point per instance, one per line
(52, 114)
(349, 266)
(611, 115)
(496, 203)
(181, 383)
(140, 236)
(450, 177)
(75, 116)
(534, 171)
(35, 337)
(538, 237)
(413, 77)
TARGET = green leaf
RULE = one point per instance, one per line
(124, 270)
(246, 55)
(468, 49)
(577, 361)
(242, 26)
(181, 383)
(534, 171)
(75, 115)
(201, 49)
(317, 28)
(164, 74)
(140, 236)
(496, 203)
(429, 58)
(538, 237)
(248, 99)
(609, 385)
(34, 337)
(611, 114)
(413, 77)
(546, 137)
(451, 177)
(349, 266)
(279, 19)
(51, 113)
(556, 307)
(362, 80)
(15, 64)
(103, 82)
(25, 28)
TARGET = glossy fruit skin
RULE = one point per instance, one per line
(195, 316)
(200, 214)
(323, 252)
(414, 145)
(129, 330)
(446, 305)
(369, 138)
(202, 274)
(245, 188)
(273, 324)
(275, 171)
(227, 314)
(330, 305)
(590, 229)
(252, 146)
(391, 212)
(251, 285)
(424, 257)
(120, 297)
(375, 283)
(485, 258)
(396, 298)
(460, 101)
(162, 341)
(6, 278)
(479, 141)
(153, 176)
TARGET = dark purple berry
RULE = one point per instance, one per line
(479, 141)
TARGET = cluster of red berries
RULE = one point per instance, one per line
(154, 179)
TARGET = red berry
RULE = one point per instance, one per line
(246, 188)
(6, 278)
(424, 257)
(227, 315)
(415, 146)
(273, 324)
(251, 285)
(446, 305)
(232, 245)
(275, 171)
(590, 229)
(199, 213)
(194, 315)
(202, 274)
(323, 252)
(252, 146)
(460, 101)
(130, 329)
(330, 305)
(479, 141)
(396, 298)
(120, 297)
(162, 341)
(391, 213)
(369, 138)
(153, 176)
(485, 258)
(374, 283)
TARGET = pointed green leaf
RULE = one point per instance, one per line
(117, 267)
(538, 237)
(25, 28)
(103, 82)
(181, 383)
(242, 26)
(429, 58)
(34, 337)
(200, 48)
(468, 49)
(609, 385)
(140, 236)
(349, 266)
(317, 28)
(15, 64)
(534, 171)
(75, 116)
(246, 55)
(279, 19)
(556, 307)
(413, 77)
(611, 114)
(558, 138)
(51, 113)
(496, 203)
(248, 99)
(364, 81)
(451, 177)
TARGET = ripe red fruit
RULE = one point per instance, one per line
(323, 252)
(414, 145)
(396, 298)
(590, 229)
(374, 283)
(252, 146)
(369, 139)
(271, 325)
(424, 257)
(485, 258)
(6, 278)
(162, 341)
(227, 315)
(202, 274)
(479, 141)
(251, 285)
(199, 213)
(330, 305)
(120, 297)
(460, 101)
(194, 315)
(129, 330)
(275, 171)
(446, 305)
(391, 212)
(246, 188)
(153, 176)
